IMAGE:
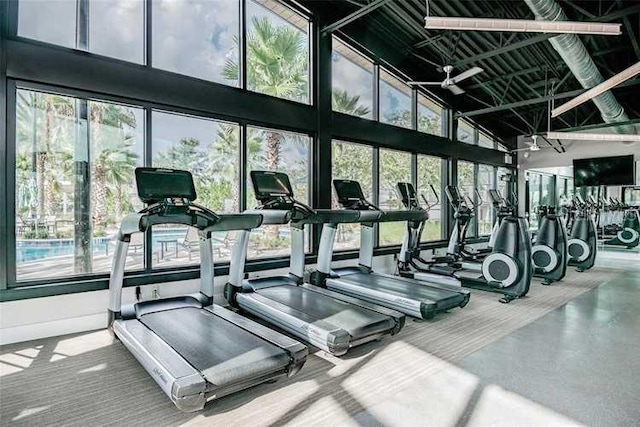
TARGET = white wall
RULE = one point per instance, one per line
(36, 318)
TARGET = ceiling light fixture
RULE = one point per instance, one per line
(521, 26)
(577, 136)
(598, 90)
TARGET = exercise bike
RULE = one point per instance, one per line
(628, 234)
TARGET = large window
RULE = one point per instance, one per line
(114, 28)
(277, 51)
(210, 150)
(352, 81)
(74, 182)
(288, 152)
(485, 212)
(198, 38)
(430, 174)
(465, 132)
(395, 167)
(429, 116)
(535, 195)
(354, 162)
(485, 140)
(395, 101)
(466, 183)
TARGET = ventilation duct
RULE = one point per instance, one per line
(575, 55)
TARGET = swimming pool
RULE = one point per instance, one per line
(35, 249)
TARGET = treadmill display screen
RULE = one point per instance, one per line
(155, 184)
(347, 191)
(268, 185)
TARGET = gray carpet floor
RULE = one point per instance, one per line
(412, 379)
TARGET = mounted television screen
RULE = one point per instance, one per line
(598, 171)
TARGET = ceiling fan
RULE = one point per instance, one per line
(451, 82)
(532, 145)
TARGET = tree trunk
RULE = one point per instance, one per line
(99, 195)
(273, 150)
(118, 202)
(273, 160)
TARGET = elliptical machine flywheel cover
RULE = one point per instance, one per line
(500, 268)
(628, 235)
(544, 258)
(578, 249)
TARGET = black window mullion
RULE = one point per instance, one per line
(8, 152)
(243, 44)
(414, 109)
(375, 184)
(82, 24)
(148, 39)
(376, 92)
(9, 10)
(148, 161)
(242, 203)
(414, 170)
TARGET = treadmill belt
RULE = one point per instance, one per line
(222, 351)
(418, 291)
(357, 321)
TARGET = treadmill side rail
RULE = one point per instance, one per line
(297, 351)
(182, 383)
(396, 315)
(321, 334)
(409, 306)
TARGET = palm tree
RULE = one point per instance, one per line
(107, 138)
(224, 160)
(344, 103)
(51, 151)
(277, 65)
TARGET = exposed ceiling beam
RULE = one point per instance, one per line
(539, 100)
(600, 126)
(504, 49)
(354, 16)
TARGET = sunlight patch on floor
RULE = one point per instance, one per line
(83, 343)
(28, 412)
(499, 407)
(96, 368)
(414, 388)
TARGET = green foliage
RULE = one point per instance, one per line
(344, 103)
(277, 61)
(40, 233)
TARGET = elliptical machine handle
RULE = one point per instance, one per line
(426, 202)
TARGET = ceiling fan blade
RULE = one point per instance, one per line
(424, 83)
(520, 149)
(597, 90)
(465, 75)
(455, 89)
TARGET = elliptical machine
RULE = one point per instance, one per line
(628, 235)
(506, 269)
(582, 244)
(549, 250)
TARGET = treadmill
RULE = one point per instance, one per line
(194, 350)
(413, 297)
(328, 320)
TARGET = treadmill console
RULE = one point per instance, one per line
(271, 185)
(156, 185)
(350, 194)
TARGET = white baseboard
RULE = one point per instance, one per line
(53, 329)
